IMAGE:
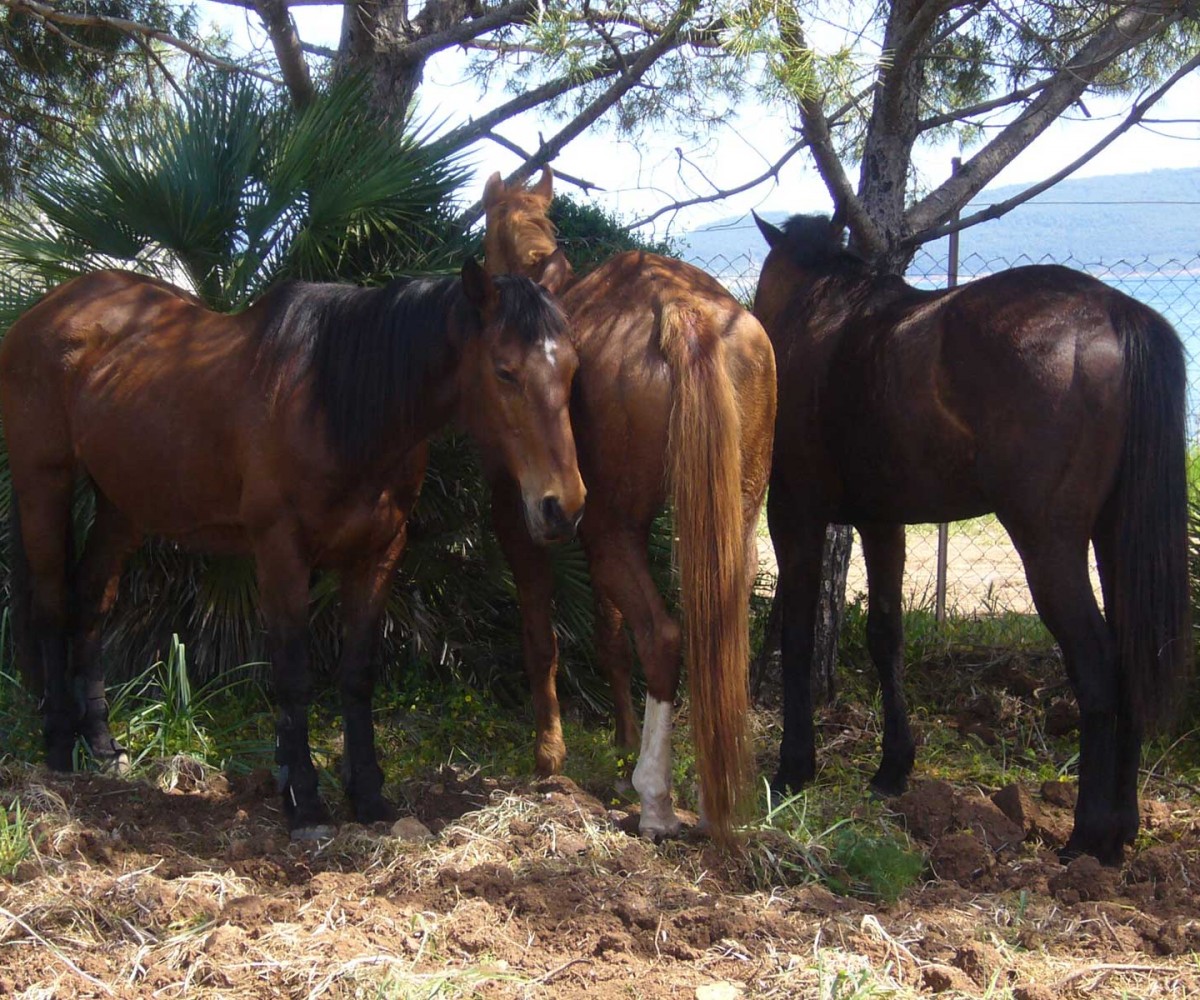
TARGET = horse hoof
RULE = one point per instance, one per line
(549, 759)
(659, 829)
(61, 760)
(1108, 855)
(313, 834)
(118, 765)
(786, 784)
(888, 788)
(375, 810)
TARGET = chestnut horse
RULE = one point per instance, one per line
(294, 431)
(1039, 394)
(674, 401)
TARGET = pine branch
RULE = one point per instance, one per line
(48, 14)
(467, 30)
(512, 147)
(772, 172)
(1136, 115)
(1132, 25)
(550, 148)
(815, 130)
(289, 52)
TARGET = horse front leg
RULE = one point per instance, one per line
(533, 575)
(883, 551)
(283, 581)
(365, 590)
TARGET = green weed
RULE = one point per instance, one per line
(160, 715)
(876, 866)
(16, 838)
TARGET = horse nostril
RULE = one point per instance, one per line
(552, 512)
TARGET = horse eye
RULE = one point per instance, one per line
(506, 375)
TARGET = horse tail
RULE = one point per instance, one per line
(705, 470)
(1150, 610)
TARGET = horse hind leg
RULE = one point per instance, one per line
(97, 580)
(883, 552)
(1129, 732)
(42, 498)
(620, 569)
(1056, 568)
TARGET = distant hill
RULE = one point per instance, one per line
(1151, 216)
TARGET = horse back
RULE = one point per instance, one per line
(622, 401)
(930, 406)
(153, 396)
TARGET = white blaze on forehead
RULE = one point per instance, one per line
(550, 347)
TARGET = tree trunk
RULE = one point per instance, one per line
(377, 39)
(831, 603)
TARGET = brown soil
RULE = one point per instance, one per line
(530, 889)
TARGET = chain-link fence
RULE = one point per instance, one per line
(984, 572)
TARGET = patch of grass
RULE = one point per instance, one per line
(872, 865)
(224, 723)
(819, 835)
(19, 719)
(16, 837)
(427, 725)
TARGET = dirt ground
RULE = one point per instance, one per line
(190, 886)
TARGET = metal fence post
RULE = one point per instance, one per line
(944, 529)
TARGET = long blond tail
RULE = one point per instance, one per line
(705, 474)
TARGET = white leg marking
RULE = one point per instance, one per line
(652, 776)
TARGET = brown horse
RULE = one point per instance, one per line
(1039, 394)
(674, 401)
(294, 431)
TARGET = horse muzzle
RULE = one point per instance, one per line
(550, 522)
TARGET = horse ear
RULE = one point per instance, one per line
(493, 190)
(479, 287)
(544, 188)
(556, 272)
(772, 234)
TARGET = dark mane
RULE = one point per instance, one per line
(811, 241)
(372, 353)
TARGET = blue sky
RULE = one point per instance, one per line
(640, 177)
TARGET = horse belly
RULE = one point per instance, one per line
(917, 481)
(172, 468)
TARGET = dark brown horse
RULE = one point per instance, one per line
(674, 402)
(294, 431)
(1039, 394)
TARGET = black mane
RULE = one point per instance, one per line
(811, 241)
(372, 352)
